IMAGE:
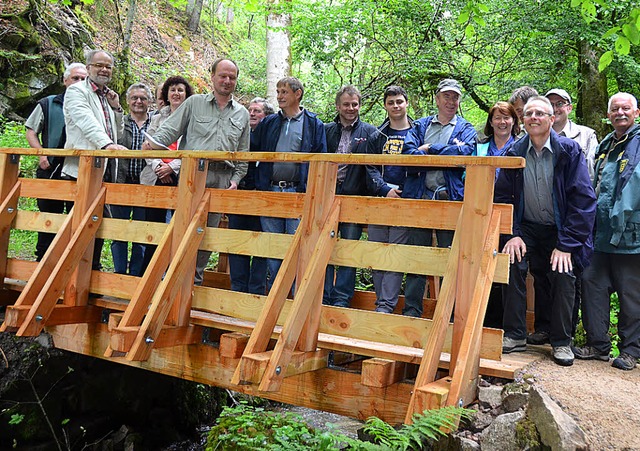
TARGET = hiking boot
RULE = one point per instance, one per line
(589, 353)
(539, 337)
(562, 355)
(625, 362)
(510, 345)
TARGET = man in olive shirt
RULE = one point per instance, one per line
(212, 121)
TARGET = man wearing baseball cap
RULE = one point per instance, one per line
(444, 133)
(584, 136)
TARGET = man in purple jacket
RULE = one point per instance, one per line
(554, 213)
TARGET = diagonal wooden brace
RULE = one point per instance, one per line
(270, 313)
(299, 362)
(306, 294)
(9, 209)
(166, 292)
(48, 293)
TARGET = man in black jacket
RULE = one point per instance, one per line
(347, 134)
(45, 128)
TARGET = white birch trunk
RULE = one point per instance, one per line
(278, 52)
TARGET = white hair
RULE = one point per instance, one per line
(70, 67)
(634, 101)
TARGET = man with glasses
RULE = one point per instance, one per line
(616, 262)
(554, 212)
(93, 119)
(45, 129)
(445, 133)
(563, 126)
(128, 171)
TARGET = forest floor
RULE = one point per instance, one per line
(603, 400)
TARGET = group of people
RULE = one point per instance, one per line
(576, 203)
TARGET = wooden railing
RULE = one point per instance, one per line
(268, 345)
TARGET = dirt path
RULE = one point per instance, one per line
(604, 401)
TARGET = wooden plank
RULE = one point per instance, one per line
(300, 157)
(465, 374)
(309, 287)
(257, 203)
(318, 213)
(476, 215)
(48, 189)
(9, 210)
(90, 173)
(233, 344)
(431, 396)
(382, 372)
(9, 168)
(300, 362)
(61, 275)
(167, 292)
(61, 314)
(123, 338)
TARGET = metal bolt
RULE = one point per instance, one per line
(149, 340)
(14, 159)
(333, 233)
(460, 402)
(199, 230)
(97, 162)
(94, 218)
(38, 317)
(495, 252)
(201, 164)
(278, 371)
(10, 210)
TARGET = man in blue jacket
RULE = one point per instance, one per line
(554, 211)
(616, 262)
(445, 133)
(348, 134)
(293, 129)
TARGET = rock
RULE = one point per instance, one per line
(480, 421)
(557, 429)
(468, 444)
(515, 396)
(491, 395)
(44, 340)
(501, 434)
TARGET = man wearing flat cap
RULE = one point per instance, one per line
(444, 133)
(563, 126)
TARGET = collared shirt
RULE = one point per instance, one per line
(538, 185)
(290, 140)
(586, 138)
(203, 125)
(137, 137)
(106, 108)
(344, 146)
(438, 133)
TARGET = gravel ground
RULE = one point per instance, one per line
(603, 400)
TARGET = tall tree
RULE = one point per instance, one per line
(278, 46)
(194, 17)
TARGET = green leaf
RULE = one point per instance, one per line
(605, 60)
(631, 32)
(589, 9)
(610, 32)
(463, 17)
(469, 31)
(480, 21)
(65, 421)
(575, 3)
(16, 418)
(483, 8)
(622, 45)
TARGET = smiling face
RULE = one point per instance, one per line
(256, 114)
(287, 98)
(348, 107)
(447, 103)
(100, 69)
(225, 78)
(177, 94)
(622, 113)
(138, 101)
(538, 119)
(561, 109)
(502, 124)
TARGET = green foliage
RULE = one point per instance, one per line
(580, 337)
(244, 427)
(16, 418)
(527, 435)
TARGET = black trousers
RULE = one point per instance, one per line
(610, 273)
(554, 291)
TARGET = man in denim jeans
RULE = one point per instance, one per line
(293, 129)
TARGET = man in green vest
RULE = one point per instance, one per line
(45, 129)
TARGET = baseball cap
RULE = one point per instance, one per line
(560, 93)
(449, 84)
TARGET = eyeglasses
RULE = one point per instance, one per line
(136, 98)
(536, 113)
(102, 66)
(559, 104)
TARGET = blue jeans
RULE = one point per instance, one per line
(278, 225)
(119, 248)
(387, 283)
(339, 292)
(248, 274)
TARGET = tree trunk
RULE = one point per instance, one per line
(278, 52)
(592, 91)
(194, 18)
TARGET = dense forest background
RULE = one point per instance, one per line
(491, 47)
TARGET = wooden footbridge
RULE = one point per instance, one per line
(354, 362)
